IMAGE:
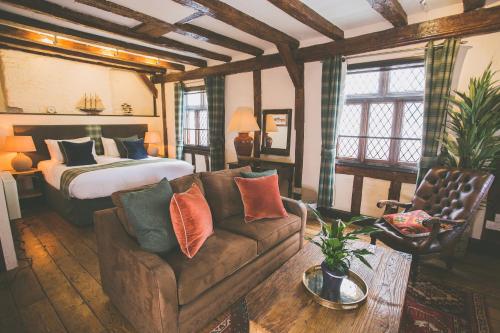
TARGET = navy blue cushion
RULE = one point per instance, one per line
(135, 149)
(77, 153)
(121, 147)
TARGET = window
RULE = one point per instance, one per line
(195, 119)
(383, 114)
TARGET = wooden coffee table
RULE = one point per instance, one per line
(281, 304)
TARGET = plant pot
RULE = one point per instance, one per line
(332, 281)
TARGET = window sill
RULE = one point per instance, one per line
(372, 166)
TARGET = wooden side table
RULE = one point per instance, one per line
(29, 183)
(285, 171)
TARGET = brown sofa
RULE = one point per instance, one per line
(177, 294)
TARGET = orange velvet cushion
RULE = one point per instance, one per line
(191, 220)
(261, 198)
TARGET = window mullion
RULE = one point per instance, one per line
(396, 131)
(363, 130)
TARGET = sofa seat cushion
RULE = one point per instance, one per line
(267, 232)
(222, 254)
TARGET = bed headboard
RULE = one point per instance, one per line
(59, 132)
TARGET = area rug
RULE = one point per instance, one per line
(234, 320)
(435, 307)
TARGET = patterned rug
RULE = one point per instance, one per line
(429, 307)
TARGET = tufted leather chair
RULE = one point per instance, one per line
(450, 196)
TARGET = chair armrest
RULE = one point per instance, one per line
(140, 284)
(298, 208)
(438, 220)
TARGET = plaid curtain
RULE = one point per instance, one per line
(179, 119)
(332, 86)
(95, 133)
(214, 86)
(439, 62)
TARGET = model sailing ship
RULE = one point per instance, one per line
(91, 104)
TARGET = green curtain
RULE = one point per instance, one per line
(179, 119)
(439, 62)
(332, 84)
(214, 87)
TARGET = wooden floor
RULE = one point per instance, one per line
(57, 285)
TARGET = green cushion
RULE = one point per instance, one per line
(121, 147)
(259, 174)
(148, 212)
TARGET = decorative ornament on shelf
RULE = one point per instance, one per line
(91, 104)
(243, 122)
(20, 145)
(152, 138)
(127, 109)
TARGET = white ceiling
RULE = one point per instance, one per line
(353, 16)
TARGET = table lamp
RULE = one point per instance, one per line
(270, 127)
(20, 145)
(243, 122)
(151, 139)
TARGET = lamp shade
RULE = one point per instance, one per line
(152, 137)
(270, 124)
(19, 144)
(243, 121)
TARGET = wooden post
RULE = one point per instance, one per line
(164, 119)
(257, 109)
(299, 132)
(357, 193)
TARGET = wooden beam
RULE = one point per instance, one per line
(257, 110)
(480, 21)
(357, 194)
(391, 10)
(473, 4)
(191, 17)
(88, 49)
(96, 39)
(299, 132)
(288, 57)
(303, 13)
(244, 22)
(61, 12)
(156, 27)
(394, 190)
(150, 85)
(164, 119)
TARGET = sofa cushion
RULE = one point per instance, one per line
(222, 193)
(267, 232)
(182, 184)
(222, 254)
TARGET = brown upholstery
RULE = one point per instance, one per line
(182, 184)
(222, 193)
(267, 232)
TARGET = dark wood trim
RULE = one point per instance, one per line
(99, 40)
(391, 10)
(473, 4)
(299, 132)
(357, 194)
(288, 56)
(65, 13)
(480, 21)
(309, 17)
(191, 17)
(377, 173)
(75, 114)
(238, 19)
(385, 63)
(277, 151)
(257, 109)
(164, 119)
(150, 85)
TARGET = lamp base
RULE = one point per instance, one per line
(243, 144)
(152, 150)
(21, 162)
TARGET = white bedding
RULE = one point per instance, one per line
(102, 183)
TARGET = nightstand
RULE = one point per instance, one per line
(29, 183)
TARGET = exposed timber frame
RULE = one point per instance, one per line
(391, 10)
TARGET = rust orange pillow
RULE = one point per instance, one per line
(261, 198)
(191, 220)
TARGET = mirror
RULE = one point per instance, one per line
(276, 131)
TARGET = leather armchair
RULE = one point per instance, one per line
(450, 196)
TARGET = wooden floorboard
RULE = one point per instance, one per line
(57, 287)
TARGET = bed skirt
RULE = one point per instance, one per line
(79, 212)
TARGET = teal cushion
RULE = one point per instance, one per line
(148, 212)
(259, 174)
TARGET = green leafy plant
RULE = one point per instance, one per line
(333, 242)
(473, 121)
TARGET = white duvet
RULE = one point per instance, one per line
(102, 183)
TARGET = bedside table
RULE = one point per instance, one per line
(29, 183)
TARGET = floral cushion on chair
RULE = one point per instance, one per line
(410, 223)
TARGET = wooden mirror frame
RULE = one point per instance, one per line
(277, 151)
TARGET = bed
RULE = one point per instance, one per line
(77, 192)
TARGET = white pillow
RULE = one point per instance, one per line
(55, 151)
(110, 148)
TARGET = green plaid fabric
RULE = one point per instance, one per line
(95, 133)
(332, 86)
(214, 86)
(439, 63)
(179, 119)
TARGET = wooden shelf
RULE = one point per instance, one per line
(75, 114)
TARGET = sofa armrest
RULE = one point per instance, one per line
(298, 208)
(140, 284)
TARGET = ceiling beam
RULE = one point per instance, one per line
(480, 21)
(391, 10)
(309, 17)
(191, 17)
(96, 39)
(156, 27)
(288, 56)
(473, 4)
(61, 12)
(149, 84)
(244, 22)
(86, 49)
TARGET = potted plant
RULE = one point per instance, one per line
(333, 242)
